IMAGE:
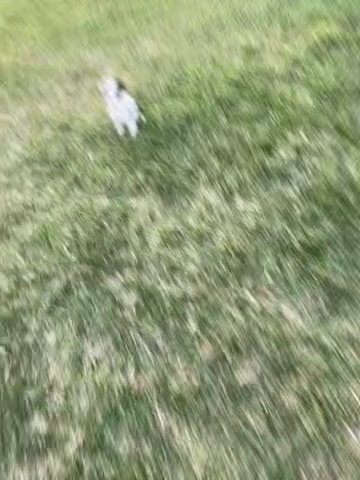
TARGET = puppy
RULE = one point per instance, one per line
(122, 108)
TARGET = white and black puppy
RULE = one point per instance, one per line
(121, 107)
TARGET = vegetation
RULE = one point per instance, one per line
(185, 305)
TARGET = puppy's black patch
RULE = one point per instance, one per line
(120, 85)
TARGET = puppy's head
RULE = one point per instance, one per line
(112, 87)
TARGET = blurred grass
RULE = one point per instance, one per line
(186, 305)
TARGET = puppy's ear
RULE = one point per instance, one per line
(120, 84)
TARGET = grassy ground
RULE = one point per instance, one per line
(186, 305)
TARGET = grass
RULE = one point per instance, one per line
(186, 305)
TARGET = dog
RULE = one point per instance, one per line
(122, 108)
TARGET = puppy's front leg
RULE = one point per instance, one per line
(120, 129)
(133, 129)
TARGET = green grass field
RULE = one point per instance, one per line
(185, 305)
